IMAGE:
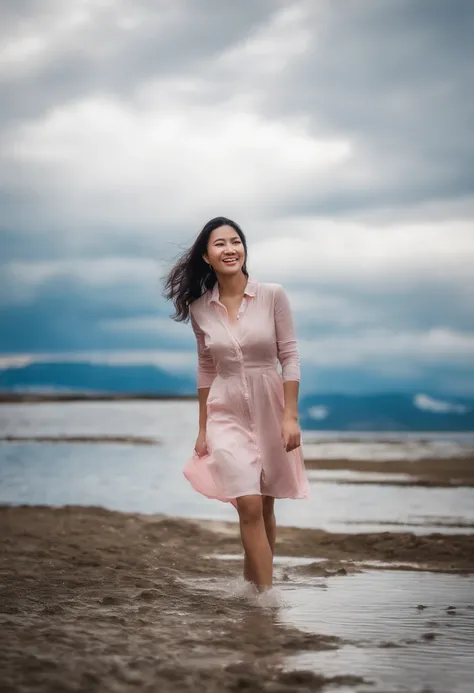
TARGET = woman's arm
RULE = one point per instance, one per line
(206, 372)
(287, 345)
(288, 355)
(290, 392)
(203, 393)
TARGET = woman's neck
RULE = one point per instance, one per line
(233, 285)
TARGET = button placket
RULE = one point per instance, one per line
(246, 394)
(244, 377)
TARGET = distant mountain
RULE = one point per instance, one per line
(376, 412)
(90, 377)
(385, 412)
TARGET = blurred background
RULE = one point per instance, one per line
(338, 135)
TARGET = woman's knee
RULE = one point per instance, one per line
(250, 509)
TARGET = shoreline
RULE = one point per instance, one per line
(434, 552)
(94, 599)
(31, 397)
(437, 472)
(123, 440)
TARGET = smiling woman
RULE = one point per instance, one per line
(248, 449)
(194, 272)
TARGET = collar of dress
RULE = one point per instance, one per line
(250, 290)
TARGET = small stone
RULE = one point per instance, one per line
(109, 600)
(429, 636)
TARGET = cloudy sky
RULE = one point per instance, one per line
(338, 134)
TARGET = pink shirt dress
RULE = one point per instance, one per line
(245, 406)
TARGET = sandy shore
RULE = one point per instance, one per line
(450, 471)
(94, 600)
(38, 397)
(123, 440)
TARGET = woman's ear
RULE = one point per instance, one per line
(206, 258)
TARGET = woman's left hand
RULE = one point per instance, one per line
(290, 434)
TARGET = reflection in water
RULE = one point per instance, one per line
(388, 638)
(395, 643)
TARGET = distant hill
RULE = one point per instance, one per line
(385, 412)
(376, 412)
(90, 377)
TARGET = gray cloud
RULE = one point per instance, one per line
(283, 88)
(397, 76)
(119, 47)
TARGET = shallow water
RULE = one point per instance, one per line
(388, 640)
(351, 475)
(375, 609)
(387, 446)
(149, 479)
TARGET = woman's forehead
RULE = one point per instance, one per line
(223, 233)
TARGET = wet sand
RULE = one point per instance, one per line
(451, 471)
(95, 600)
(123, 440)
(73, 396)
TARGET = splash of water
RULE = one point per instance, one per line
(268, 599)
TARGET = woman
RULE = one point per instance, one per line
(248, 449)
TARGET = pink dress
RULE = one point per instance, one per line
(245, 403)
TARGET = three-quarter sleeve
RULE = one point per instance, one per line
(287, 346)
(206, 370)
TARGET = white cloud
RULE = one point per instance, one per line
(340, 252)
(316, 306)
(35, 40)
(22, 279)
(59, 26)
(388, 349)
(270, 49)
(438, 406)
(176, 361)
(104, 163)
(318, 412)
(382, 351)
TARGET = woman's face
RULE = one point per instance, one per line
(225, 251)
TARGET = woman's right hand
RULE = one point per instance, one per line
(201, 445)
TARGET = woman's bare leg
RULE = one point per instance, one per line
(270, 521)
(247, 570)
(270, 530)
(258, 563)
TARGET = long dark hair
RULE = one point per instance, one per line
(191, 276)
